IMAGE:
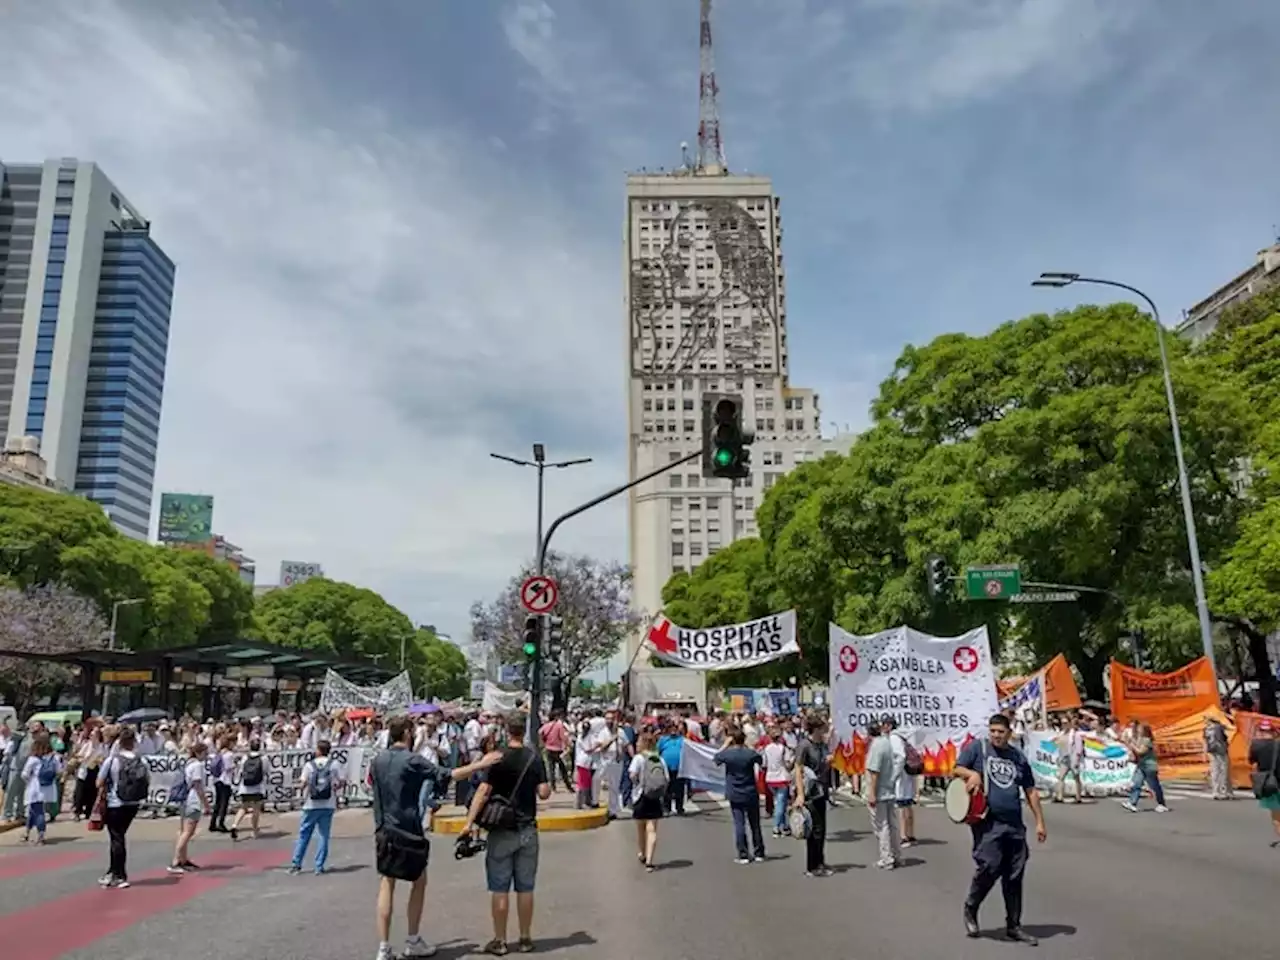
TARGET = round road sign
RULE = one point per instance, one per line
(539, 594)
(994, 588)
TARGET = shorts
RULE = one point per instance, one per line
(905, 803)
(511, 860)
(251, 799)
(1271, 803)
(194, 814)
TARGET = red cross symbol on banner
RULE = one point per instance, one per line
(966, 659)
(848, 659)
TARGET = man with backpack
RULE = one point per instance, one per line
(124, 782)
(321, 782)
(253, 790)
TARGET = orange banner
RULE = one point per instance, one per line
(1161, 699)
(1060, 692)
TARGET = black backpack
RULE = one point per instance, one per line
(133, 779)
(253, 772)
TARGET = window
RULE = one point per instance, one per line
(677, 504)
(677, 548)
(695, 549)
(676, 481)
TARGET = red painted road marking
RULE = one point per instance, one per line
(24, 864)
(49, 930)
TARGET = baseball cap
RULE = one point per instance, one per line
(1266, 726)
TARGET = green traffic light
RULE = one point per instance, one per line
(530, 649)
(723, 457)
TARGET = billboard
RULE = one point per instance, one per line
(185, 518)
(295, 571)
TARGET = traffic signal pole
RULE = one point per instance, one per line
(535, 694)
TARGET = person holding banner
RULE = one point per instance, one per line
(999, 770)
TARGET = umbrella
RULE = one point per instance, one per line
(417, 709)
(253, 713)
(144, 715)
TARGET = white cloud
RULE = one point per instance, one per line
(363, 310)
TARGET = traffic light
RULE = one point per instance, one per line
(938, 576)
(555, 640)
(724, 437)
(532, 637)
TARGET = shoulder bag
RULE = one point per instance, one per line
(499, 812)
(1264, 782)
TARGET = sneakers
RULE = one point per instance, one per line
(295, 871)
(1161, 808)
(174, 869)
(1131, 807)
(385, 952)
(742, 860)
(417, 947)
(886, 864)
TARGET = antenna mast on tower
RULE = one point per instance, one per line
(710, 146)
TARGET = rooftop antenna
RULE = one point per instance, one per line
(684, 155)
(710, 147)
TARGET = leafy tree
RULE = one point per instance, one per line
(595, 604)
(443, 667)
(37, 525)
(44, 620)
(338, 619)
(231, 599)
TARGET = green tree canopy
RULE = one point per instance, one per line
(335, 618)
(442, 666)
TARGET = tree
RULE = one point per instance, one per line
(445, 673)
(595, 604)
(37, 525)
(335, 618)
(44, 620)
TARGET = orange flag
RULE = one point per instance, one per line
(1161, 699)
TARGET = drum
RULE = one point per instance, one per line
(963, 806)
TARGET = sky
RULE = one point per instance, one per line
(398, 223)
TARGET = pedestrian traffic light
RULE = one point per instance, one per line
(532, 636)
(725, 438)
(555, 639)
(937, 576)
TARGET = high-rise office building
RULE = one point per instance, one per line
(705, 308)
(85, 297)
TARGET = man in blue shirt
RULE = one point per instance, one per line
(1000, 852)
(740, 763)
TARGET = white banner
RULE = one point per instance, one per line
(725, 648)
(497, 700)
(1105, 768)
(394, 696)
(697, 763)
(282, 768)
(941, 691)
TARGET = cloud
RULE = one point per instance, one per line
(365, 306)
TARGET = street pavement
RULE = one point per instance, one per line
(1197, 882)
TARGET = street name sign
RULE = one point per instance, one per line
(1054, 596)
(995, 582)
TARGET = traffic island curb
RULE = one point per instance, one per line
(549, 821)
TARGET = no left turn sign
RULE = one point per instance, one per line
(539, 594)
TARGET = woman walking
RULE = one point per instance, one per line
(195, 806)
(1142, 747)
(89, 756)
(649, 774)
(223, 774)
(121, 787)
(812, 785)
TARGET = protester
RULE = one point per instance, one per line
(253, 790)
(670, 743)
(400, 843)
(123, 785)
(195, 805)
(1142, 748)
(89, 754)
(885, 762)
(223, 771)
(611, 750)
(40, 774)
(1264, 751)
(651, 779)
(506, 805)
(555, 738)
(321, 783)
(778, 762)
(740, 763)
(1215, 745)
(812, 789)
(1070, 759)
(1000, 770)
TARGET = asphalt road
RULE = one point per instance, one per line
(1195, 883)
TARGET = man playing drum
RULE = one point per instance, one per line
(1000, 838)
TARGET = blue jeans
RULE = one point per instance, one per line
(321, 820)
(35, 817)
(1152, 779)
(781, 797)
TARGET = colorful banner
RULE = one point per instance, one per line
(1054, 684)
(941, 691)
(1162, 699)
(1106, 768)
(731, 647)
(185, 518)
(281, 784)
(781, 702)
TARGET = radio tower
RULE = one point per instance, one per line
(710, 147)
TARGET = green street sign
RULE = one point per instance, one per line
(996, 582)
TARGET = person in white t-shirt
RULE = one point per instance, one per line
(321, 781)
(779, 759)
(41, 773)
(194, 807)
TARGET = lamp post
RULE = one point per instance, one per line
(1184, 483)
(111, 636)
(540, 461)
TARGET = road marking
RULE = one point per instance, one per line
(25, 864)
(57, 927)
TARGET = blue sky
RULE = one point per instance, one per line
(398, 222)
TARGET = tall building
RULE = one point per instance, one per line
(1201, 320)
(85, 297)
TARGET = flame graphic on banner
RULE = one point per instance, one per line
(850, 758)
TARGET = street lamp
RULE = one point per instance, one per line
(540, 461)
(1184, 483)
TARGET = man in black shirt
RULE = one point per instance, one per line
(519, 780)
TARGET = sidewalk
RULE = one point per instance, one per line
(556, 814)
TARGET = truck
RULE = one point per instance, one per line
(655, 690)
